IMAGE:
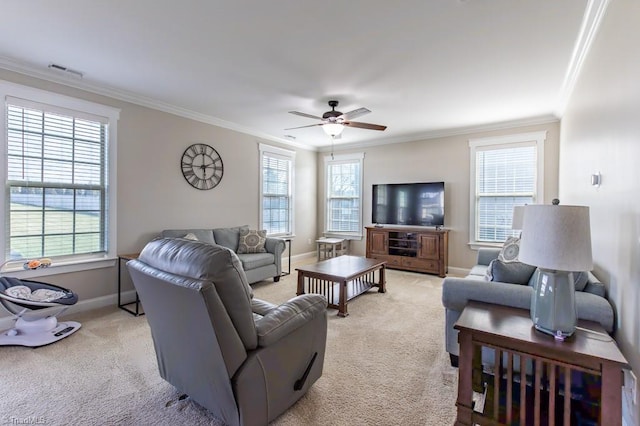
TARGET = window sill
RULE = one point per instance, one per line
(59, 267)
(353, 237)
(476, 245)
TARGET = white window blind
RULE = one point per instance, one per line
(506, 172)
(344, 195)
(56, 181)
(505, 178)
(276, 190)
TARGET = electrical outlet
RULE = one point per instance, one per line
(309, 241)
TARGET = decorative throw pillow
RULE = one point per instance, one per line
(252, 241)
(191, 236)
(509, 272)
(510, 250)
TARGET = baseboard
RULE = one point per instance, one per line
(300, 257)
(463, 272)
(81, 306)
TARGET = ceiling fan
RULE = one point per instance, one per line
(333, 122)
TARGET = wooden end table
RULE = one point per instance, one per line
(510, 333)
(342, 278)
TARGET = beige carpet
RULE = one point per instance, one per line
(385, 365)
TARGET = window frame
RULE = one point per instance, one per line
(71, 263)
(536, 139)
(330, 160)
(280, 153)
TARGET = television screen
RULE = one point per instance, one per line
(412, 204)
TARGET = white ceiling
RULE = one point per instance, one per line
(423, 67)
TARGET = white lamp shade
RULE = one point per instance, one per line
(332, 129)
(518, 217)
(556, 237)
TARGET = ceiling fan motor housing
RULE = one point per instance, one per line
(333, 113)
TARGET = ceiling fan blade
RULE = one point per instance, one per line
(364, 125)
(355, 113)
(302, 114)
(302, 127)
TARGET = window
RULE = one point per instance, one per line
(343, 214)
(59, 191)
(506, 171)
(276, 190)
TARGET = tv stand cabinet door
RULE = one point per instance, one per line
(429, 246)
(377, 242)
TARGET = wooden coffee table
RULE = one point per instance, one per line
(342, 278)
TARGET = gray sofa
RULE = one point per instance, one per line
(591, 303)
(246, 360)
(257, 266)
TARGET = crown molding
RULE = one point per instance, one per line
(126, 96)
(591, 21)
(443, 133)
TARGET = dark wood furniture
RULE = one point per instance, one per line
(124, 306)
(411, 248)
(341, 278)
(554, 370)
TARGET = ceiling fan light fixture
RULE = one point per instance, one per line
(333, 129)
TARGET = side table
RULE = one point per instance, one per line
(578, 380)
(331, 247)
(288, 272)
(123, 306)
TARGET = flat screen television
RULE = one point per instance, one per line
(409, 204)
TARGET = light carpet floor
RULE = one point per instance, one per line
(385, 365)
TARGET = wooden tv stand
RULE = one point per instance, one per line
(410, 248)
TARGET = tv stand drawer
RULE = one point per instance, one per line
(427, 265)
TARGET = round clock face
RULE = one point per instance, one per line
(202, 166)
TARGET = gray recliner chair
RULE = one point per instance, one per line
(244, 359)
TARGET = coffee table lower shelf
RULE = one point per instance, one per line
(342, 279)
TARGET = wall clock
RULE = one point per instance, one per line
(202, 166)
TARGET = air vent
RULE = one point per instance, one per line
(65, 70)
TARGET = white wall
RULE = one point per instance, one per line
(600, 132)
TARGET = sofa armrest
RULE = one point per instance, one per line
(595, 308)
(456, 293)
(289, 316)
(275, 246)
(487, 254)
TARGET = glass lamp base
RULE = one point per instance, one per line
(553, 304)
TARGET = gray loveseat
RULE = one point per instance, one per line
(591, 303)
(257, 266)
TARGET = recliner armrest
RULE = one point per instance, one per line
(261, 307)
(289, 316)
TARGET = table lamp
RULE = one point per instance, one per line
(556, 239)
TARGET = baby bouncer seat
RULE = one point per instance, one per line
(34, 306)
